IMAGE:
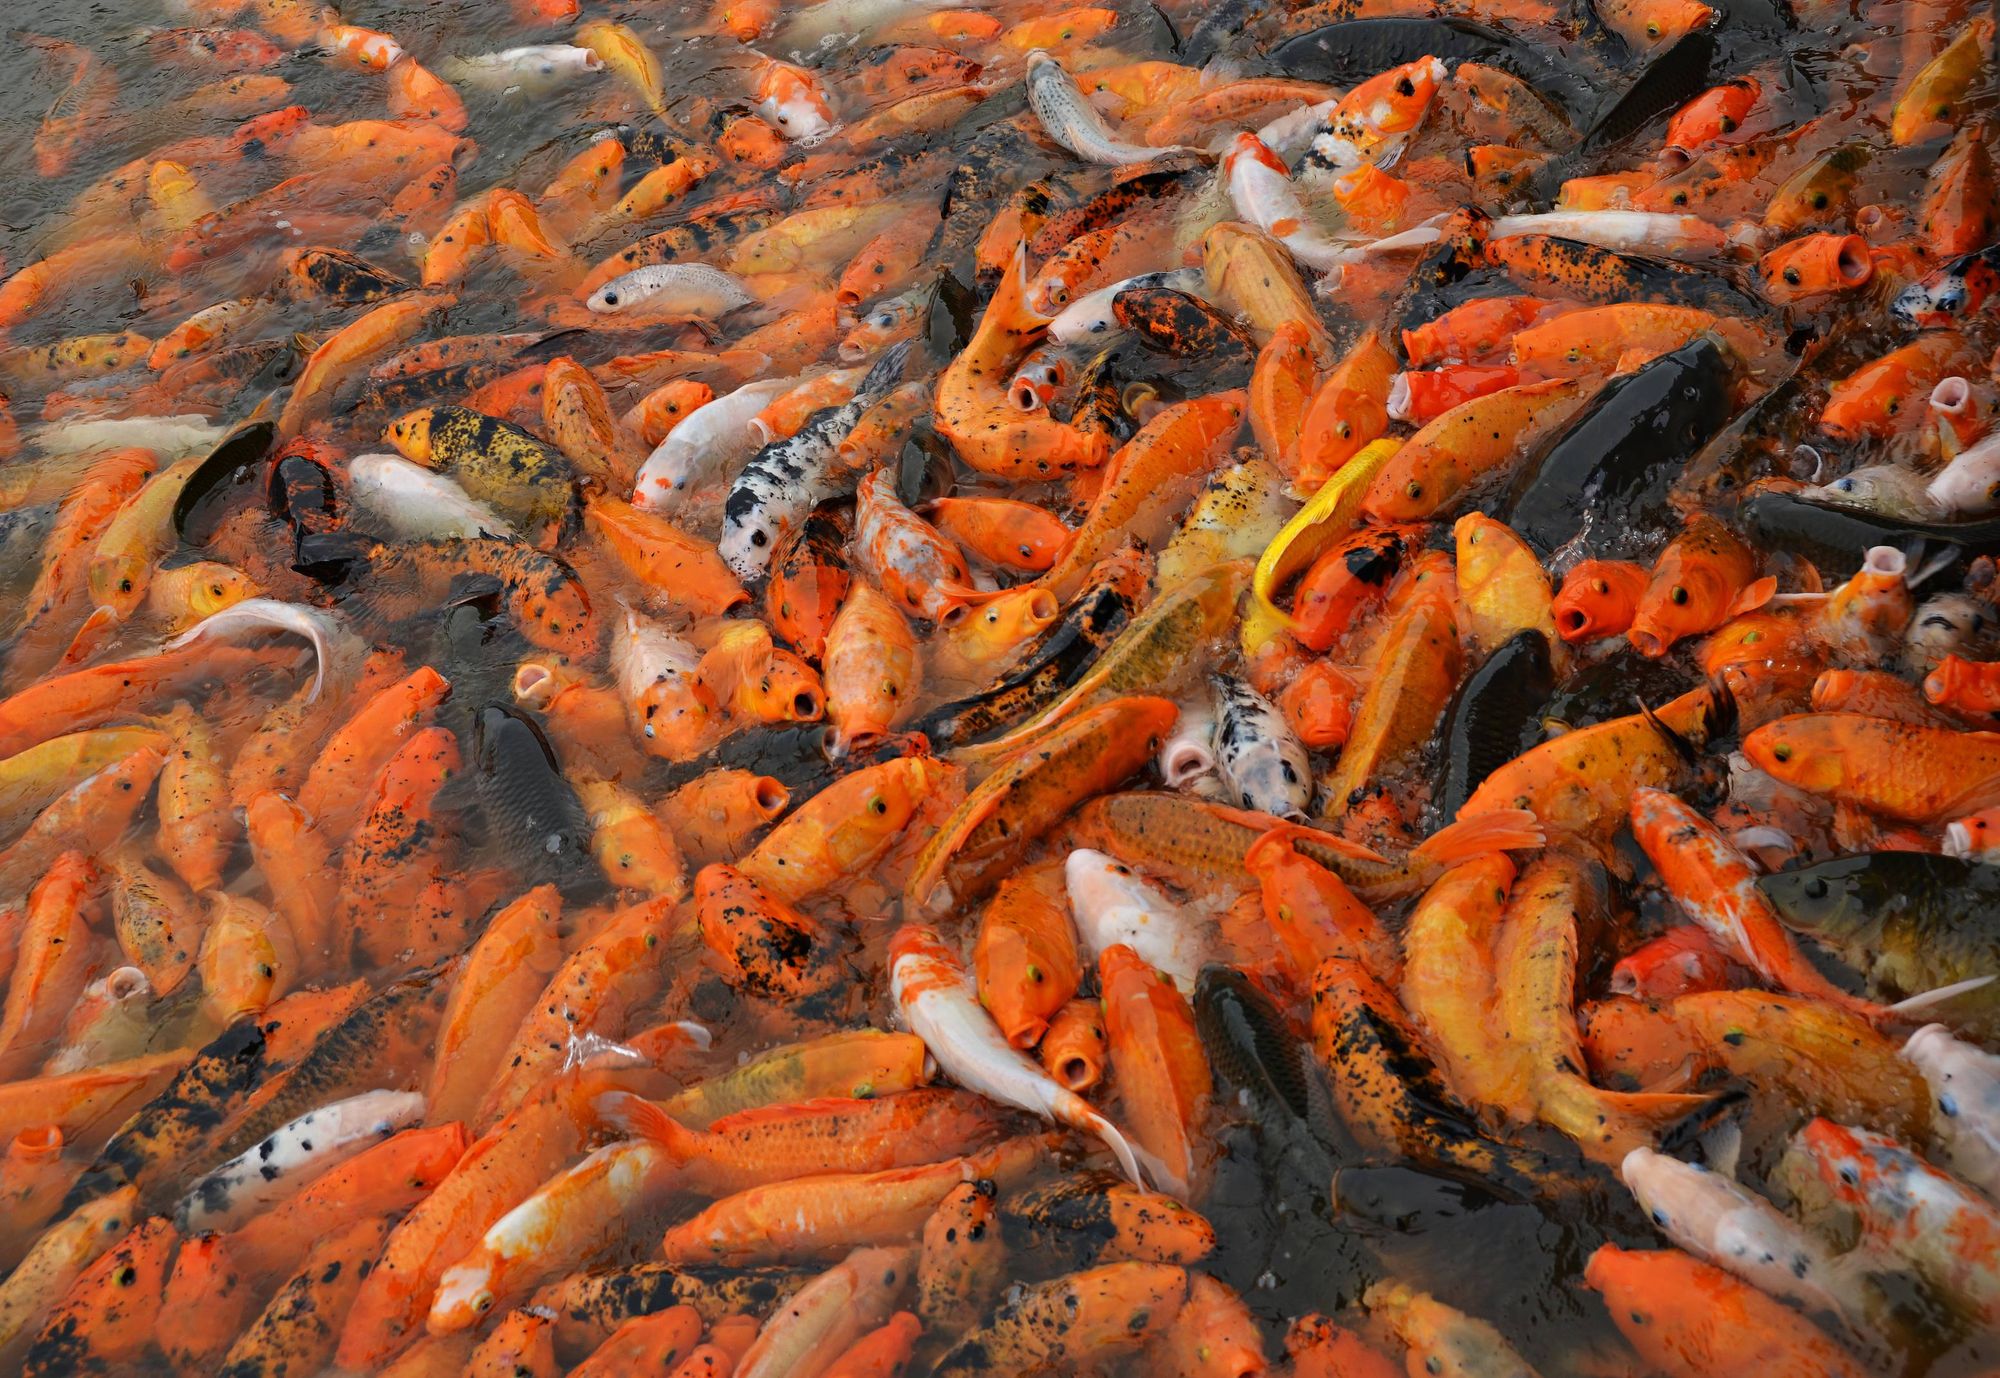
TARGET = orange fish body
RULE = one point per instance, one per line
(1913, 772)
(760, 943)
(1026, 957)
(1884, 398)
(1281, 389)
(1002, 531)
(1705, 576)
(518, 1155)
(1157, 1058)
(1147, 482)
(840, 834)
(1436, 464)
(682, 568)
(1350, 409)
(1690, 1319)
(1076, 1050)
(872, 666)
(1599, 598)
(713, 816)
(1314, 914)
(972, 408)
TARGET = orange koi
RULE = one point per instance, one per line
(1704, 577)
(1599, 598)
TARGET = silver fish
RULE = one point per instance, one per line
(1071, 121)
(697, 289)
(533, 70)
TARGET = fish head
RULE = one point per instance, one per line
(1099, 884)
(1830, 900)
(410, 433)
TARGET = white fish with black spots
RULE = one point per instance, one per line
(1719, 1220)
(788, 478)
(1965, 1102)
(293, 1154)
(1261, 758)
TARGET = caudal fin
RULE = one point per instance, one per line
(1503, 830)
(640, 1118)
(1125, 1153)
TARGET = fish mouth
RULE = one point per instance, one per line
(1074, 1073)
(770, 796)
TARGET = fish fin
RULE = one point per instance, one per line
(1503, 830)
(1681, 745)
(1754, 597)
(1924, 1000)
(1931, 568)
(1786, 600)
(641, 1119)
(965, 595)
(1298, 832)
(1122, 1149)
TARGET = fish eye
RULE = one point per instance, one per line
(1415, 490)
(878, 806)
(1679, 595)
(1819, 200)
(126, 1276)
(1844, 485)
(1406, 87)
(1792, 276)
(1781, 752)
(759, 539)
(1600, 586)
(1816, 888)
(1850, 1176)
(1727, 125)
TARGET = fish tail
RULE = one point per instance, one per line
(1503, 830)
(1075, 1112)
(640, 1118)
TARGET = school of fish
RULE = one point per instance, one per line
(875, 687)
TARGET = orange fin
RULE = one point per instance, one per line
(642, 1119)
(1503, 830)
(1268, 823)
(1755, 596)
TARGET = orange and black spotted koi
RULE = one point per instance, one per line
(1185, 326)
(1545, 263)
